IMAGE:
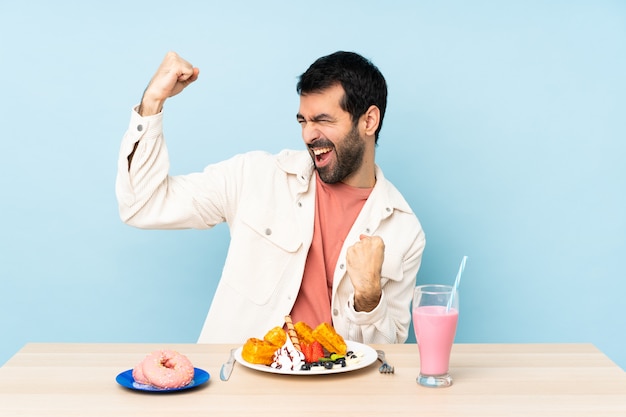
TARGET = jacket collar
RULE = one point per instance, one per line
(296, 162)
(299, 163)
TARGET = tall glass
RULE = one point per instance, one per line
(435, 327)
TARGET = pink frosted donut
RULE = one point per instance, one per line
(138, 375)
(165, 369)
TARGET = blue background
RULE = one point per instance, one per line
(505, 131)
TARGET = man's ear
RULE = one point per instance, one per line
(372, 120)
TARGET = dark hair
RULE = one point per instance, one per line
(362, 82)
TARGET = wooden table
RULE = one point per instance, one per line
(50, 379)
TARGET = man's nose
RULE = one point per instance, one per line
(310, 133)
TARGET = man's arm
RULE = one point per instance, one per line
(364, 262)
(172, 76)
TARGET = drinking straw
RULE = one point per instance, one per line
(456, 283)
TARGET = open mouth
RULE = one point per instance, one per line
(322, 155)
(321, 152)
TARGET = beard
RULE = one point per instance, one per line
(349, 156)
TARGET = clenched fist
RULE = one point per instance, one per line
(172, 76)
(364, 264)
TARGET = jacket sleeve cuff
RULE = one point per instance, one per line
(367, 317)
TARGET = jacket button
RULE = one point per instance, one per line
(299, 203)
(139, 128)
(268, 232)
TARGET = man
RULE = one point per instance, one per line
(318, 234)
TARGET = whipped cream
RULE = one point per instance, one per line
(288, 357)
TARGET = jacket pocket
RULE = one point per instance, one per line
(263, 252)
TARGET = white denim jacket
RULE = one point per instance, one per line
(268, 202)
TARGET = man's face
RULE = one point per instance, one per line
(334, 143)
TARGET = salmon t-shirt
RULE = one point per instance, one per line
(336, 208)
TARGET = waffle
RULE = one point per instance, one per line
(304, 332)
(261, 351)
(330, 339)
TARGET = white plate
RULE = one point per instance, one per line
(368, 354)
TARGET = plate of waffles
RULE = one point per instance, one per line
(358, 356)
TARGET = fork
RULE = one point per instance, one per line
(385, 368)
